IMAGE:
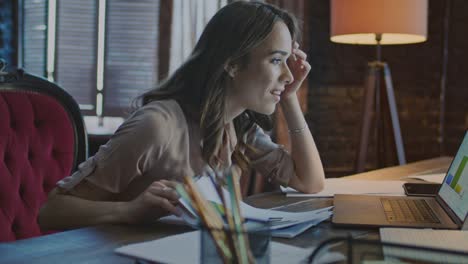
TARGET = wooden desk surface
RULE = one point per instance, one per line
(435, 165)
(96, 244)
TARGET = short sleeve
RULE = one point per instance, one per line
(135, 147)
(269, 158)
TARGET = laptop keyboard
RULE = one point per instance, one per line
(408, 210)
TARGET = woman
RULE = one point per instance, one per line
(211, 113)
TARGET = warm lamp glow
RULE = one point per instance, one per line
(398, 21)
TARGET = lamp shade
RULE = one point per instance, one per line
(398, 21)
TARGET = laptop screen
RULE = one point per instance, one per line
(454, 190)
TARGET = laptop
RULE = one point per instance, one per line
(447, 210)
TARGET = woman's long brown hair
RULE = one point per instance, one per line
(198, 85)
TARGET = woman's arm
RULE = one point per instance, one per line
(65, 211)
(95, 193)
(87, 205)
(309, 176)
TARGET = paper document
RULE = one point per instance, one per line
(437, 178)
(293, 231)
(168, 250)
(443, 239)
(345, 186)
(277, 219)
(456, 240)
(290, 231)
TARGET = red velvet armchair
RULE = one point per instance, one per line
(42, 140)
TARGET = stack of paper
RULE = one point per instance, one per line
(283, 224)
(442, 239)
(345, 186)
(453, 240)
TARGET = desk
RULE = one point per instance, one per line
(96, 244)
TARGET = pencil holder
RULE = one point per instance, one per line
(257, 239)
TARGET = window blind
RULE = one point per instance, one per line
(130, 49)
(76, 36)
(131, 61)
(34, 36)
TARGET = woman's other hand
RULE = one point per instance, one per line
(158, 200)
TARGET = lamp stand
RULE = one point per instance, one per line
(382, 103)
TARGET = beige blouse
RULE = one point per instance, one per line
(157, 142)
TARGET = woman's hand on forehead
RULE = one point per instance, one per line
(299, 68)
(295, 45)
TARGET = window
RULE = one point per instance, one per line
(103, 52)
(131, 63)
(75, 51)
(34, 16)
(7, 34)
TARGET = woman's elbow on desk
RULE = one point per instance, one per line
(316, 187)
(311, 184)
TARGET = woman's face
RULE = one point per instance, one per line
(258, 85)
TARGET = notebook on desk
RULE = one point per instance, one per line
(447, 210)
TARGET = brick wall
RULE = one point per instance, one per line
(336, 88)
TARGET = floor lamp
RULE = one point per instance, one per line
(379, 22)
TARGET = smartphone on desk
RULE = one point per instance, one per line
(421, 189)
